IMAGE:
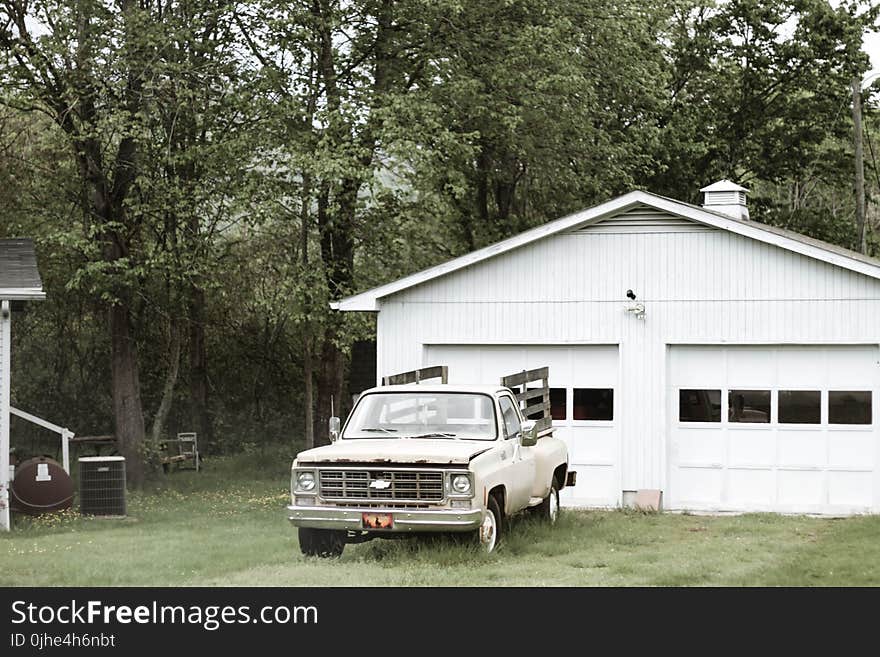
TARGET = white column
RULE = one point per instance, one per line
(65, 449)
(5, 377)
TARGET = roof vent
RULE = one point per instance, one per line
(727, 198)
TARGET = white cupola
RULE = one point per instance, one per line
(727, 198)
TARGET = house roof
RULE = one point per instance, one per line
(786, 239)
(19, 276)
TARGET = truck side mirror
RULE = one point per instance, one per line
(529, 433)
(334, 429)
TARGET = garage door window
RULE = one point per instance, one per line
(748, 406)
(537, 415)
(593, 404)
(558, 405)
(849, 407)
(800, 407)
(699, 405)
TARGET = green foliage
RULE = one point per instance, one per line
(551, 108)
(760, 95)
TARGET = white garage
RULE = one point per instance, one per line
(731, 365)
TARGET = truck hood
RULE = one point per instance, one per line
(397, 450)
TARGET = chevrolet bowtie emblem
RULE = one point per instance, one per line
(380, 484)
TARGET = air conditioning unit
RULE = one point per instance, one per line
(102, 485)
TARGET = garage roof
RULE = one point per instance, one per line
(786, 239)
(19, 277)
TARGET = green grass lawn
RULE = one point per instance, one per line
(227, 526)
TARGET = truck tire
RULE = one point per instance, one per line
(548, 509)
(489, 533)
(321, 542)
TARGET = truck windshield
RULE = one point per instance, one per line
(435, 415)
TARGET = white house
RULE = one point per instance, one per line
(19, 281)
(742, 376)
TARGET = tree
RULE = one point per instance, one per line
(196, 177)
(147, 99)
(58, 348)
(336, 71)
(555, 106)
(759, 94)
(87, 72)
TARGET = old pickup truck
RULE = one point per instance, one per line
(428, 458)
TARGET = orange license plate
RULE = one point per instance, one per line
(378, 521)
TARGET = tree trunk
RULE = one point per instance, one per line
(127, 410)
(504, 193)
(308, 394)
(483, 165)
(337, 252)
(330, 380)
(174, 341)
(200, 420)
(861, 226)
(308, 340)
(336, 221)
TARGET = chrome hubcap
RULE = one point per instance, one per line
(488, 534)
(554, 506)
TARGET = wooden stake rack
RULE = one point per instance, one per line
(532, 398)
(417, 376)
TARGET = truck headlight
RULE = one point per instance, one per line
(305, 481)
(461, 484)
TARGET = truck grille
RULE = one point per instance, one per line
(401, 485)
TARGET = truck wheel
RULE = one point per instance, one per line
(321, 542)
(548, 510)
(489, 533)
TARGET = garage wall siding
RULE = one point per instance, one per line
(706, 286)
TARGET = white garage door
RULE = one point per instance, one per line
(788, 429)
(584, 396)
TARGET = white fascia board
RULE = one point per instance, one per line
(22, 293)
(368, 301)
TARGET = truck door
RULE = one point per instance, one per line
(520, 460)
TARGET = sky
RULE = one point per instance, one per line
(871, 42)
(872, 47)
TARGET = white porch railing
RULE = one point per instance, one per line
(64, 432)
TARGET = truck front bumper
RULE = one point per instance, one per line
(405, 520)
